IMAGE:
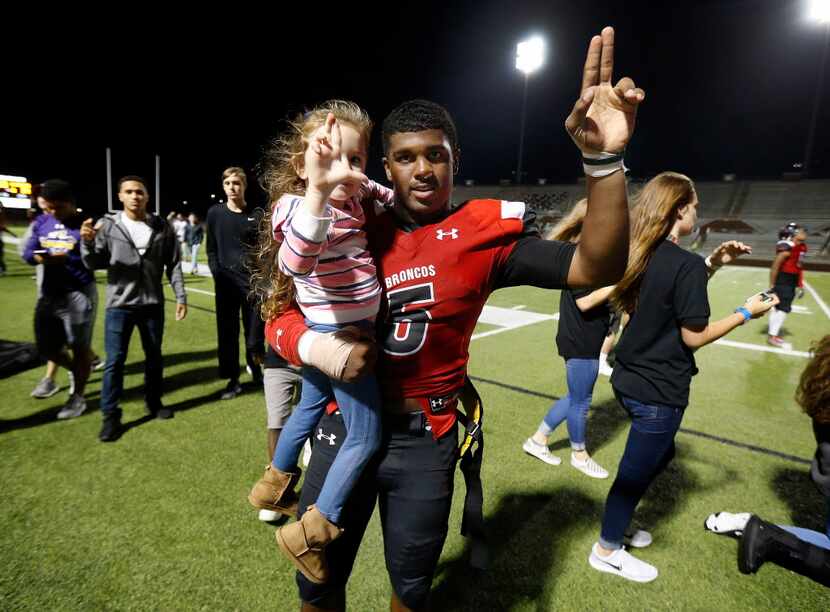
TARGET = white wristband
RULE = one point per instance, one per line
(598, 165)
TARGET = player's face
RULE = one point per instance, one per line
(134, 197)
(233, 186)
(420, 166)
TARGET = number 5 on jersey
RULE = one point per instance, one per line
(410, 324)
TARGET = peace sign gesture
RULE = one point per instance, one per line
(603, 117)
(326, 165)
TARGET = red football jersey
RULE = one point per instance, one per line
(435, 281)
(795, 262)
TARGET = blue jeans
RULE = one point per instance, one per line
(649, 449)
(194, 255)
(118, 328)
(359, 405)
(813, 537)
(581, 375)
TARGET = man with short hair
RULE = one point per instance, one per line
(438, 265)
(231, 230)
(65, 309)
(135, 247)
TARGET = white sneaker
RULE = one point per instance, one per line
(622, 563)
(605, 369)
(589, 467)
(268, 516)
(540, 451)
(74, 407)
(639, 539)
(726, 522)
(306, 453)
(45, 388)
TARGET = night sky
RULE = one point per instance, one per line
(730, 86)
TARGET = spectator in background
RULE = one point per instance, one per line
(194, 237)
(181, 224)
(3, 228)
(65, 309)
(231, 231)
(135, 246)
(786, 277)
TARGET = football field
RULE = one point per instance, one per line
(159, 521)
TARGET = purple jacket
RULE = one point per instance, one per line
(51, 235)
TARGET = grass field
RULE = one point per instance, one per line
(159, 520)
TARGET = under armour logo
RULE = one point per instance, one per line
(321, 436)
(277, 339)
(453, 234)
(436, 403)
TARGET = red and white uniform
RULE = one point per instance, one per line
(435, 280)
(794, 264)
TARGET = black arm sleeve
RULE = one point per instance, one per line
(537, 262)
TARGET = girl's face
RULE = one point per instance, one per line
(353, 146)
(688, 217)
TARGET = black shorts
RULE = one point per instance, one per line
(65, 320)
(785, 284)
(412, 478)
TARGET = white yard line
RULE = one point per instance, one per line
(522, 307)
(817, 298)
(760, 348)
(202, 291)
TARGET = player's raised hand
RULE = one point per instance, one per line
(728, 252)
(602, 120)
(326, 166)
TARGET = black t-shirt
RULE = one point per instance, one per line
(581, 334)
(273, 359)
(230, 238)
(653, 363)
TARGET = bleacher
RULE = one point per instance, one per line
(764, 206)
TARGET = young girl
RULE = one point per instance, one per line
(324, 264)
(584, 317)
(664, 290)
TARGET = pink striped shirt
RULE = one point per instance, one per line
(334, 273)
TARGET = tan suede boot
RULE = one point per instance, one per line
(304, 542)
(275, 491)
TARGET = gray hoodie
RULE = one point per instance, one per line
(134, 279)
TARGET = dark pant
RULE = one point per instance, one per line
(231, 300)
(118, 328)
(411, 476)
(649, 449)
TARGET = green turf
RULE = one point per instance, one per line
(159, 520)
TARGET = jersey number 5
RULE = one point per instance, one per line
(409, 325)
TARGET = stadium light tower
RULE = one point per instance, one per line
(530, 55)
(819, 11)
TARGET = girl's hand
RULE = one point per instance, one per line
(728, 252)
(326, 166)
(760, 303)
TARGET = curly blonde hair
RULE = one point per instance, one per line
(813, 393)
(279, 174)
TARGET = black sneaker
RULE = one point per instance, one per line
(111, 429)
(752, 549)
(232, 389)
(164, 413)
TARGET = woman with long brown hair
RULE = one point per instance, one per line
(664, 290)
(584, 318)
